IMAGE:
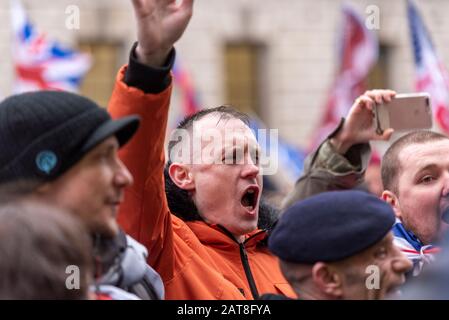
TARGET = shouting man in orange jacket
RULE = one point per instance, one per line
(216, 251)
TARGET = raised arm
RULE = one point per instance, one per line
(341, 160)
(144, 88)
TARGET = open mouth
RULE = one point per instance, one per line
(249, 198)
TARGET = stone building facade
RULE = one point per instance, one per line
(275, 57)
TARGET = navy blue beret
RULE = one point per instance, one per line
(331, 226)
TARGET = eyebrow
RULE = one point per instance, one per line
(247, 147)
(233, 148)
(430, 166)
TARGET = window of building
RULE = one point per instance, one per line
(243, 76)
(99, 82)
(378, 77)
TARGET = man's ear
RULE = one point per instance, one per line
(182, 176)
(392, 199)
(327, 280)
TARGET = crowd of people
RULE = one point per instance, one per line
(92, 208)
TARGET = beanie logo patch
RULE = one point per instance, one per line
(46, 161)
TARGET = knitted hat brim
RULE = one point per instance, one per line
(123, 129)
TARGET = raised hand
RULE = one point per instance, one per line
(359, 126)
(160, 23)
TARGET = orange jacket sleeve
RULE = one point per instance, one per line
(145, 215)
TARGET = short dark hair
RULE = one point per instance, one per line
(225, 112)
(391, 167)
(37, 244)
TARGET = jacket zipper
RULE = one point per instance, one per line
(245, 261)
(249, 275)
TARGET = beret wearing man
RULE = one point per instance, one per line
(333, 246)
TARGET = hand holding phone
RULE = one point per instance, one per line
(404, 112)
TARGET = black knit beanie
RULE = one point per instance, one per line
(44, 133)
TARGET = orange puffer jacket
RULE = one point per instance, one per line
(195, 260)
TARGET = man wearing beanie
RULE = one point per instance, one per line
(338, 245)
(61, 148)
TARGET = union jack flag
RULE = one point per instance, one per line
(431, 75)
(358, 54)
(41, 63)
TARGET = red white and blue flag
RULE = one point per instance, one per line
(418, 253)
(431, 75)
(183, 80)
(41, 63)
(358, 52)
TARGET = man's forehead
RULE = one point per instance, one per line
(110, 142)
(219, 121)
(419, 155)
(228, 130)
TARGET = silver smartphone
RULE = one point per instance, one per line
(404, 112)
